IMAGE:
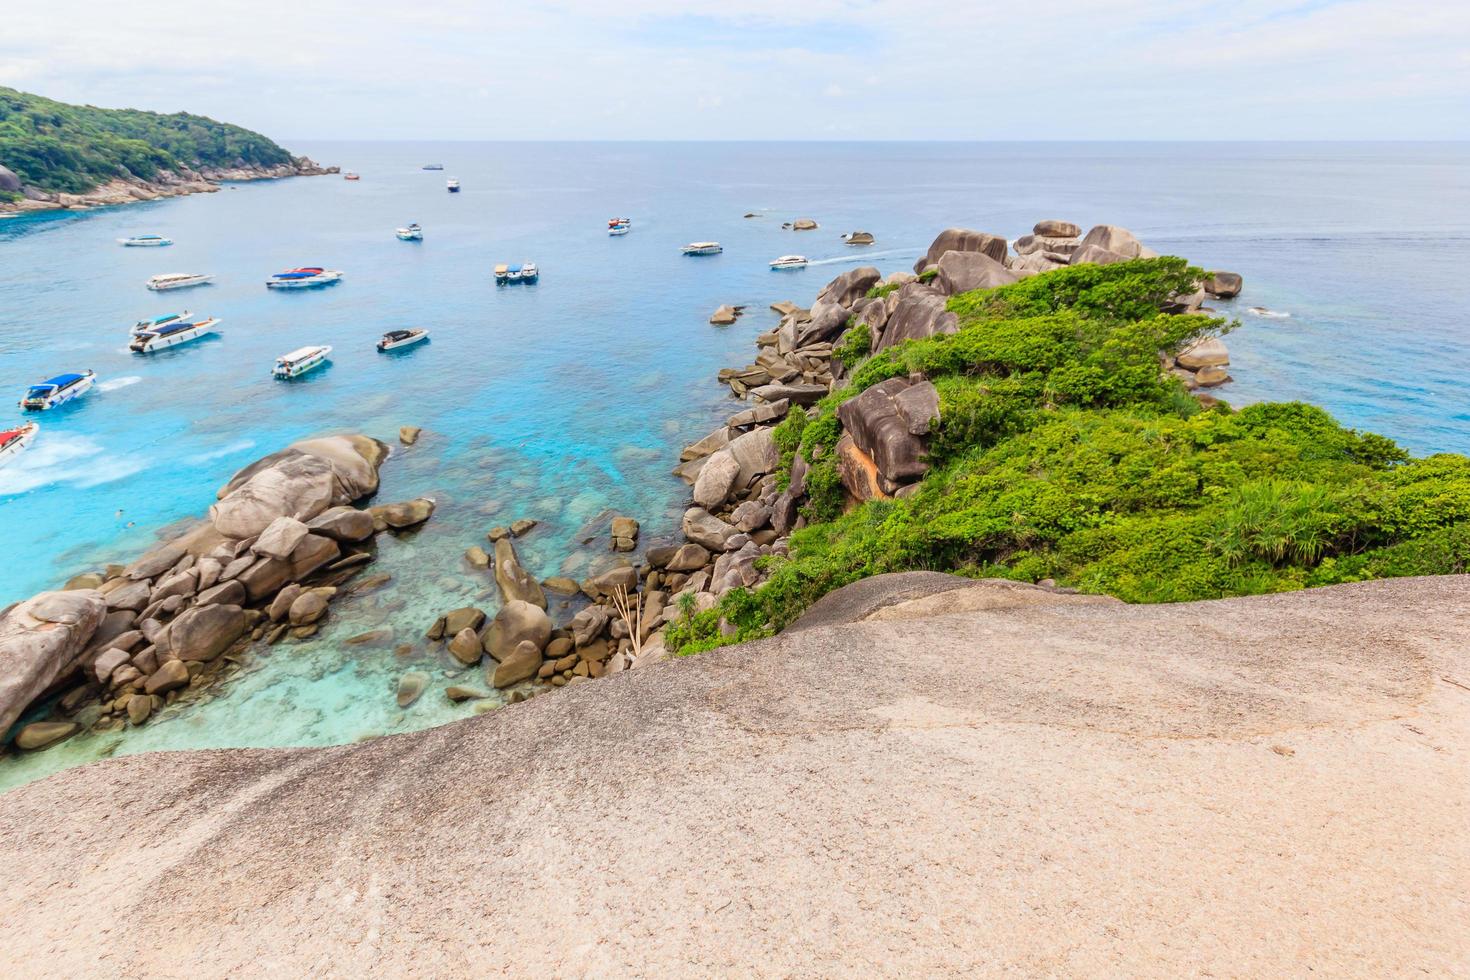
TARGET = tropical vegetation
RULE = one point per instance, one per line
(1065, 452)
(69, 148)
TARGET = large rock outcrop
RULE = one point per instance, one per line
(962, 240)
(41, 640)
(919, 312)
(890, 423)
(989, 778)
(300, 482)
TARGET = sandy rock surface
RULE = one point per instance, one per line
(978, 780)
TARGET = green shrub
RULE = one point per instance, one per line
(1064, 452)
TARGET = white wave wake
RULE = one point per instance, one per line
(57, 458)
(113, 384)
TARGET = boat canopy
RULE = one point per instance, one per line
(299, 355)
(501, 269)
(10, 435)
(173, 328)
(399, 334)
(60, 381)
(515, 268)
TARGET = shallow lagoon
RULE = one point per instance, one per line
(568, 399)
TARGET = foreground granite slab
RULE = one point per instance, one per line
(971, 780)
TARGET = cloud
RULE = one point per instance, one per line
(691, 69)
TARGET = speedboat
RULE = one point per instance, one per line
(178, 280)
(433, 166)
(146, 241)
(143, 326)
(350, 176)
(619, 226)
(517, 272)
(298, 362)
(453, 184)
(413, 233)
(703, 248)
(13, 442)
(790, 262)
(858, 238)
(57, 391)
(398, 339)
(303, 278)
(177, 331)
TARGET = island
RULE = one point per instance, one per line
(54, 155)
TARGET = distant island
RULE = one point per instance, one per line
(55, 155)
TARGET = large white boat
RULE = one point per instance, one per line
(143, 326)
(298, 362)
(453, 184)
(178, 280)
(146, 241)
(304, 278)
(398, 339)
(789, 262)
(507, 274)
(172, 334)
(14, 441)
(412, 233)
(57, 391)
(703, 248)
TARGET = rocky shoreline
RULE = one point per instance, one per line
(121, 190)
(122, 645)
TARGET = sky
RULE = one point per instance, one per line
(763, 69)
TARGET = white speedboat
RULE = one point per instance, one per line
(143, 326)
(146, 241)
(172, 334)
(298, 362)
(398, 339)
(350, 176)
(303, 278)
(619, 226)
(507, 274)
(790, 262)
(57, 391)
(14, 441)
(703, 248)
(412, 233)
(453, 184)
(178, 280)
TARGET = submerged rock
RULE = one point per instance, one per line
(44, 734)
(410, 686)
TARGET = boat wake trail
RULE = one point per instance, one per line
(59, 458)
(114, 384)
(1269, 314)
(860, 258)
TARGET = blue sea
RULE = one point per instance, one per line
(567, 400)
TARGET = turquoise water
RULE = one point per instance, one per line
(568, 399)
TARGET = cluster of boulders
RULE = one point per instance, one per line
(279, 544)
(739, 513)
(519, 643)
(166, 183)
